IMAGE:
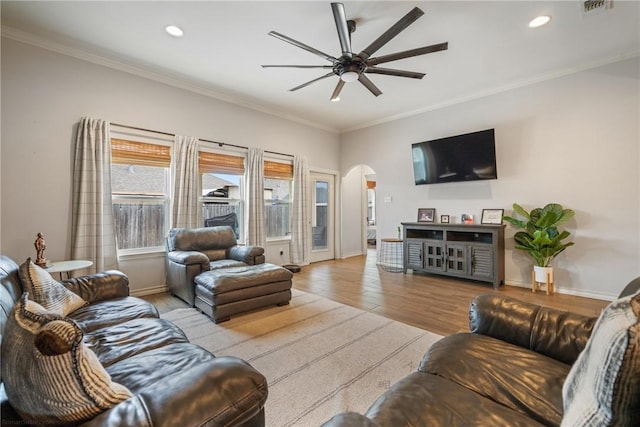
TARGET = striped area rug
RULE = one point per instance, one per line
(319, 357)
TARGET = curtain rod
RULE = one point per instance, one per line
(204, 140)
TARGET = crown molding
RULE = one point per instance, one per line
(499, 89)
(144, 72)
(84, 54)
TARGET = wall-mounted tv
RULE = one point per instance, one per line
(467, 157)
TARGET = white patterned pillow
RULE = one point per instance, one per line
(50, 375)
(47, 291)
(603, 386)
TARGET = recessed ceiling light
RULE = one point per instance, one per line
(539, 21)
(174, 31)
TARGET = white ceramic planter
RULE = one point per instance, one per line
(541, 274)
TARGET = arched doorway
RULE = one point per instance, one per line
(358, 213)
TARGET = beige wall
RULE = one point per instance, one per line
(44, 94)
(573, 140)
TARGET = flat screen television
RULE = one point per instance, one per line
(468, 157)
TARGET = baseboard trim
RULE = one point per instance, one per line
(344, 256)
(567, 291)
(559, 290)
(149, 291)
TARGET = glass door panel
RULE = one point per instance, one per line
(322, 217)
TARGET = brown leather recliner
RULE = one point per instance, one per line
(190, 251)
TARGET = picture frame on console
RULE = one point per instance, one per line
(444, 219)
(492, 216)
(426, 215)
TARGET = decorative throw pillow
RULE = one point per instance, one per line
(47, 291)
(50, 375)
(603, 386)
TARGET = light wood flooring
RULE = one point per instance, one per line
(435, 303)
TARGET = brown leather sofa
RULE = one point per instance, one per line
(190, 251)
(507, 371)
(173, 382)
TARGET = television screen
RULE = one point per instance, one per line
(467, 157)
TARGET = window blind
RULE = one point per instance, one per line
(220, 163)
(140, 153)
(277, 170)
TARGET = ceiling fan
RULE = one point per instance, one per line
(350, 67)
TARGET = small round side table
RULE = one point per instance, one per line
(68, 266)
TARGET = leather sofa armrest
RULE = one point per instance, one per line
(248, 254)
(102, 286)
(350, 419)
(221, 391)
(189, 257)
(131, 412)
(554, 333)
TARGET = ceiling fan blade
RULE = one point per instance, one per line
(369, 85)
(399, 26)
(302, 46)
(343, 30)
(336, 93)
(297, 66)
(312, 81)
(391, 72)
(408, 53)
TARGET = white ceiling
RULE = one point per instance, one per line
(490, 48)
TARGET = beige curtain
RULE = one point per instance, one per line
(185, 196)
(255, 231)
(300, 213)
(92, 229)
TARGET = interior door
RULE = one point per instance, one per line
(322, 217)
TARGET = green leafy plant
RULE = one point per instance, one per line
(540, 236)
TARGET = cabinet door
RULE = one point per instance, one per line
(482, 262)
(433, 256)
(414, 254)
(458, 258)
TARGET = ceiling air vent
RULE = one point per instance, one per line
(595, 7)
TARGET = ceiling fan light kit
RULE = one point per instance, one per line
(349, 76)
(350, 67)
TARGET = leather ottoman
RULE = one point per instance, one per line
(223, 292)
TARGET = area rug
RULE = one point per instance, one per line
(319, 357)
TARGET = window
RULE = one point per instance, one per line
(140, 188)
(278, 178)
(222, 190)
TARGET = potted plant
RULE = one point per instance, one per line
(540, 237)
